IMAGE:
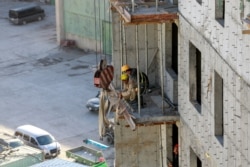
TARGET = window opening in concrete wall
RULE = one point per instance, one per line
(194, 159)
(175, 146)
(175, 134)
(195, 77)
(174, 48)
(199, 164)
(220, 11)
(198, 75)
(218, 107)
(170, 49)
(199, 1)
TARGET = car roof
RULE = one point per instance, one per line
(25, 7)
(32, 130)
(7, 139)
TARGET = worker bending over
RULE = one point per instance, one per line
(143, 80)
(129, 91)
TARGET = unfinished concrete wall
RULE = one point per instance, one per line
(126, 46)
(146, 146)
(224, 50)
(86, 23)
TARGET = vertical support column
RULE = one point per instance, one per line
(59, 5)
(133, 5)
(138, 69)
(121, 43)
(164, 141)
(124, 42)
(161, 66)
(156, 5)
(146, 49)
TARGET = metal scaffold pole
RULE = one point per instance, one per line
(146, 49)
(121, 44)
(124, 41)
(133, 5)
(162, 72)
(137, 63)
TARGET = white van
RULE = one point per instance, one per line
(39, 138)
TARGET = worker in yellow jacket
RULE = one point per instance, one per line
(129, 92)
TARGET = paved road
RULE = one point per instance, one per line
(42, 84)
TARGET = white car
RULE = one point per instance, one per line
(39, 138)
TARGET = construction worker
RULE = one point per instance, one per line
(143, 80)
(127, 102)
(176, 156)
(132, 73)
(129, 89)
(175, 162)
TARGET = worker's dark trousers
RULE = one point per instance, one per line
(134, 103)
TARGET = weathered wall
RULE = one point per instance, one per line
(146, 146)
(226, 51)
(86, 22)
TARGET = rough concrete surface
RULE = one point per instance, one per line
(43, 84)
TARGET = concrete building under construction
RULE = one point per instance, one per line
(196, 55)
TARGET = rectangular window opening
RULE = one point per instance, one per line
(174, 64)
(199, 164)
(220, 11)
(218, 107)
(195, 77)
(194, 159)
(198, 76)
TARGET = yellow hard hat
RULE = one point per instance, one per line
(125, 67)
(124, 77)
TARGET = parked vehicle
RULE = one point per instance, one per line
(9, 141)
(94, 103)
(39, 138)
(88, 155)
(23, 15)
(22, 156)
